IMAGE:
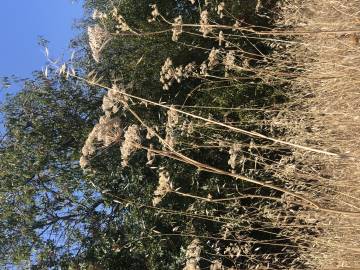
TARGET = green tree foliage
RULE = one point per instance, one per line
(41, 184)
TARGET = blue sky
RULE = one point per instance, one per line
(22, 22)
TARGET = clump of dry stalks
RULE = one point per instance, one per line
(325, 113)
(316, 60)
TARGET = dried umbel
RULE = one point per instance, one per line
(213, 58)
(220, 9)
(204, 69)
(229, 61)
(188, 70)
(233, 250)
(150, 133)
(192, 255)
(205, 28)
(236, 26)
(154, 13)
(187, 128)
(173, 117)
(89, 147)
(131, 143)
(106, 132)
(164, 187)
(177, 28)
(233, 152)
(98, 15)
(170, 138)
(169, 73)
(121, 26)
(109, 131)
(172, 122)
(150, 155)
(113, 99)
(98, 37)
(221, 38)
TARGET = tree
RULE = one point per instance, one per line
(46, 201)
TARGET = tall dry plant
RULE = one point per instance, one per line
(314, 201)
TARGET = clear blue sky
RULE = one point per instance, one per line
(22, 22)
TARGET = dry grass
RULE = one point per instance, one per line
(326, 114)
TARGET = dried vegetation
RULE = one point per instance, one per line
(299, 159)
